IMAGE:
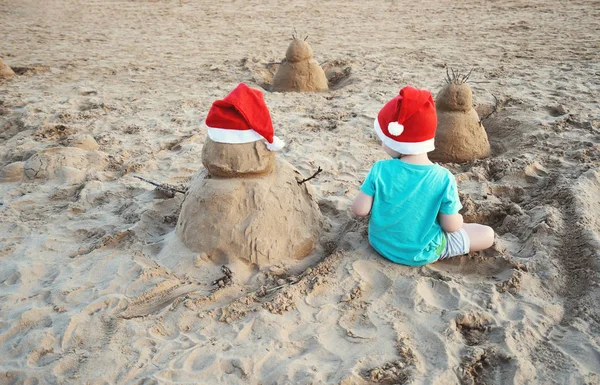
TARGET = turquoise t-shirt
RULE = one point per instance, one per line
(407, 198)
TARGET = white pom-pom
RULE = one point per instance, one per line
(395, 128)
(277, 144)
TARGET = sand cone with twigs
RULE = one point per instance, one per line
(247, 205)
(460, 136)
(5, 71)
(299, 72)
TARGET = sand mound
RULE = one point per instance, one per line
(5, 71)
(83, 141)
(237, 160)
(460, 137)
(68, 164)
(12, 172)
(259, 220)
(299, 72)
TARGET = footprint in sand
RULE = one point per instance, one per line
(467, 269)
(535, 172)
(43, 354)
(93, 323)
(437, 294)
(164, 331)
(27, 323)
(356, 321)
(358, 325)
(11, 278)
(474, 326)
(198, 360)
(373, 282)
(573, 344)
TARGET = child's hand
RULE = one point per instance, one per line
(362, 204)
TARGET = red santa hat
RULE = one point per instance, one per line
(407, 123)
(242, 117)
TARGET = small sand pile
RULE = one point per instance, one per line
(5, 71)
(247, 205)
(459, 137)
(68, 165)
(299, 72)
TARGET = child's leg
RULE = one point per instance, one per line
(471, 237)
(481, 236)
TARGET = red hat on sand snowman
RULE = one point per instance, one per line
(242, 117)
(407, 123)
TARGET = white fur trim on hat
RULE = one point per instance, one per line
(223, 135)
(395, 128)
(405, 148)
(277, 144)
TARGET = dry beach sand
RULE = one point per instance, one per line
(96, 289)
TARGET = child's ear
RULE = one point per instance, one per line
(392, 153)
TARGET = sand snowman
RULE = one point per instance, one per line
(247, 205)
(5, 71)
(299, 72)
(460, 136)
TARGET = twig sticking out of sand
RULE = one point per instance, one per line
(307, 276)
(311, 177)
(264, 290)
(493, 111)
(224, 280)
(158, 298)
(454, 76)
(296, 33)
(160, 185)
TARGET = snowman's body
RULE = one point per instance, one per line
(5, 71)
(299, 72)
(459, 137)
(248, 206)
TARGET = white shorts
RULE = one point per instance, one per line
(457, 243)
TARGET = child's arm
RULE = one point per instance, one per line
(362, 204)
(450, 222)
(449, 218)
(364, 200)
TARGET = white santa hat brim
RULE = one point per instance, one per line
(223, 135)
(277, 144)
(405, 148)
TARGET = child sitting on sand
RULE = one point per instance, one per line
(413, 202)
